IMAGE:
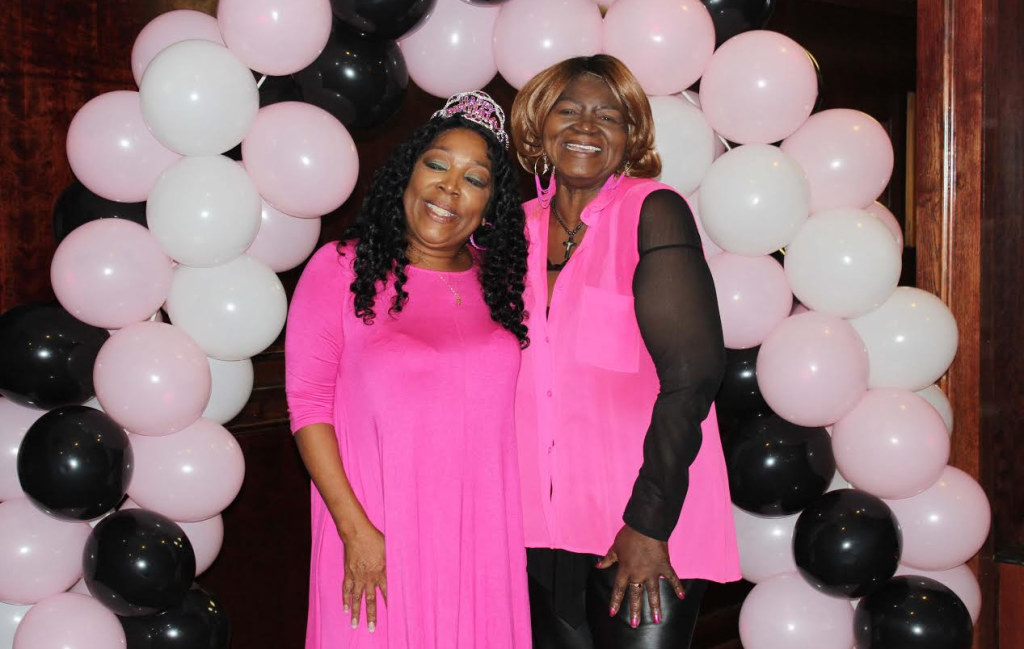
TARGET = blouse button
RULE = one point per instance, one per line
(547, 339)
(550, 393)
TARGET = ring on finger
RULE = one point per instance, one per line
(636, 585)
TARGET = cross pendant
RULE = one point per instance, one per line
(568, 247)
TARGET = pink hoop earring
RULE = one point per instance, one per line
(472, 237)
(543, 193)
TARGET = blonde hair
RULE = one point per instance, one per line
(533, 103)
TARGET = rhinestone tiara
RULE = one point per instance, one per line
(477, 106)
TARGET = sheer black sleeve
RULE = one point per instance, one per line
(677, 311)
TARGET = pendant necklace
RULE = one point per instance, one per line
(458, 298)
(570, 242)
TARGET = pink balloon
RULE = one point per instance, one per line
(847, 156)
(301, 159)
(753, 297)
(275, 36)
(170, 28)
(189, 476)
(452, 50)
(151, 378)
(960, 580)
(812, 369)
(765, 545)
(69, 621)
(759, 87)
(111, 150)
(283, 242)
(944, 525)
(665, 43)
(531, 35)
(110, 273)
(785, 612)
(39, 555)
(893, 444)
(710, 247)
(15, 420)
(887, 219)
(206, 537)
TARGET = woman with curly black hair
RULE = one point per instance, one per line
(402, 352)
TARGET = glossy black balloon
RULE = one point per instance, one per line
(739, 390)
(198, 622)
(77, 206)
(75, 463)
(847, 543)
(47, 356)
(383, 18)
(274, 90)
(912, 612)
(138, 562)
(359, 79)
(733, 17)
(777, 468)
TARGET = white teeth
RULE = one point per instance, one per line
(583, 148)
(443, 213)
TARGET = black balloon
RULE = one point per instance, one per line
(75, 463)
(138, 562)
(357, 78)
(199, 622)
(821, 81)
(383, 18)
(48, 356)
(777, 468)
(77, 206)
(847, 543)
(274, 90)
(733, 17)
(739, 389)
(912, 612)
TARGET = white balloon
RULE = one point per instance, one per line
(684, 140)
(911, 339)
(934, 395)
(10, 618)
(785, 611)
(754, 199)
(204, 210)
(765, 545)
(843, 262)
(198, 98)
(233, 311)
(230, 389)
(960, 580)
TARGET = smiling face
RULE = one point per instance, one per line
(585, 133)
(448, 192)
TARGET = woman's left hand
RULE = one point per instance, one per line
(642, 561)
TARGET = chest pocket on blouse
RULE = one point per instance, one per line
(607, 335)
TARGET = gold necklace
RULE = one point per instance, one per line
(458, 298)
(440, 273)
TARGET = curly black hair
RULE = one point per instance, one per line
(380, 232)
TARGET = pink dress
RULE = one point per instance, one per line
(422, 405)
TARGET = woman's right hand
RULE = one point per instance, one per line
(364, 573)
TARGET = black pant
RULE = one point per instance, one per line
(598, 630)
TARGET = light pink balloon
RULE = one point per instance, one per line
(110, 273)
(189, 476)
(710, 247)
(206, 537)
(812, 369)
(15, 420)
(69, 621)
(452, 51)
(275, 36)
(753, 297)
(785, 612)
(665, 43)
(887, 218)
(283, 241)
(960, 580)
(847, 156)
(111, 150)
(893, 444)
(765, 545)
(759, 87)
(531, 35)
(151, 378)
(39, 555)
(301, 158)
(944, 525)
(170, 28)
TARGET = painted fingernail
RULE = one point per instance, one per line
(682, 595)
(371, 626)
(634, 622)
(346, 608)
(611, 612)
(355, 623)
(657, 617)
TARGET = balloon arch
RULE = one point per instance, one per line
(836, 435)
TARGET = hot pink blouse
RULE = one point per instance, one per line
(586, 390)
